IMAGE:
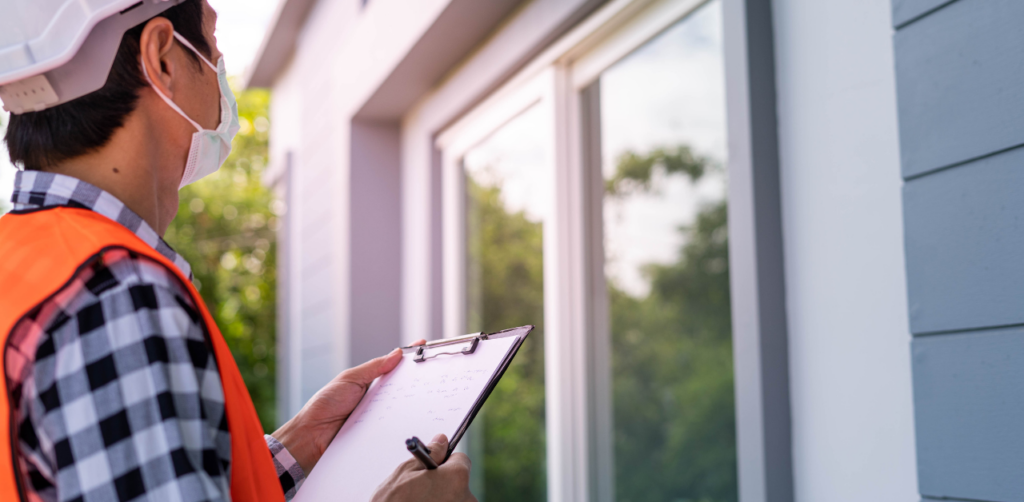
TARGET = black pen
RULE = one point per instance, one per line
(421, 452)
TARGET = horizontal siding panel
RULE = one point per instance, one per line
(969, 412)
(965, 245)
(960, 81)
(906, 10)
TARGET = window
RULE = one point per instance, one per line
(591, 190)
(507, 180)
(663, 144)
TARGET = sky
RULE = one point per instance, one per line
(241, 26)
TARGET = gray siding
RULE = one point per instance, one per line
(960, 84)
(904, 11)
(965, 245)
(970, 414)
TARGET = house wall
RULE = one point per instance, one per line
(849, 343)
(961, 112)
(301, 132)
(344, 50)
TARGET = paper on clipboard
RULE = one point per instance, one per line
(416, 399)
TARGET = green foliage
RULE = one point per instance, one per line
(672, 351)
(506, 277)
(672, 359)
(225, 229)
(635, 172)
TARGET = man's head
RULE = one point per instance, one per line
(124, 138)
(41, 139)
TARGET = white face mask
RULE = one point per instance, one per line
(209, 148)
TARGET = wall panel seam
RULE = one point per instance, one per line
(962, 163)
(926, 498)
(979, 329)
(924, 14)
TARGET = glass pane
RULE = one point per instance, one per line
(507, 184)
(664, 147)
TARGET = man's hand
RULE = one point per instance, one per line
(307, 435)
(412, 482)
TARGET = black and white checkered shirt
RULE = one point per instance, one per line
(114, 387)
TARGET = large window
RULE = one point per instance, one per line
(507, 180)
(588, 196)
(663, 147)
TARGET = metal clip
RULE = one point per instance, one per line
(422, 356)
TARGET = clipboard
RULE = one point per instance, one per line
(426, 352)
(441, 385)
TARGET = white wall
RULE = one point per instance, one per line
(853, 436)
(343, 52)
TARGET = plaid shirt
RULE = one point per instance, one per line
(114, 387)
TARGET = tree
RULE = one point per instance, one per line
(672, 350)
(225, 229)
(505, 283)
(672, 355)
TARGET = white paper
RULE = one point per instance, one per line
(415, 399)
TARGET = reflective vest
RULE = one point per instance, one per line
(40, 252)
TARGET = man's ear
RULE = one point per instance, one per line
(155, 46)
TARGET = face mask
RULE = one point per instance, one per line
(209, 148)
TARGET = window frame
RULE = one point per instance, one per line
(563, 80)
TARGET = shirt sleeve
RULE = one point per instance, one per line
(125, 399)
(289, 472)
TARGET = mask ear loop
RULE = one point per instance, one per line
(188, 44)
(172, 104)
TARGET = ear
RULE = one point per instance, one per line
(155, 47)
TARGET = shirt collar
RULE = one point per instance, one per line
(38, 190)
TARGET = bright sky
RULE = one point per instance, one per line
(241, 25)
(240, 28)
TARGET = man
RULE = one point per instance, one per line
(118, 384)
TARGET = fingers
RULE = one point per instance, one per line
(457, 469)
(419, 342)
(459, 461)
(366, 372)
(438, 448)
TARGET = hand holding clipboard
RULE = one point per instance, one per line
(439, 387)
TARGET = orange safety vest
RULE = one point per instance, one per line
(40, 252)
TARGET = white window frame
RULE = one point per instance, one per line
(577, 338)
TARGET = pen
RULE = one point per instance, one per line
(421, 452)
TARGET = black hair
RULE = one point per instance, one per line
(37, 140)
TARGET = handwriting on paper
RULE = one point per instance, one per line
(416, 399)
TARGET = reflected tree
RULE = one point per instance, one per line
(506, 289)
(672, 354)
(673, 387)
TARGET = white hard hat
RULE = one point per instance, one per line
(53, 51)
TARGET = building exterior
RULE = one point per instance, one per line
(449, 165)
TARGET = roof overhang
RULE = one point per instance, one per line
(279, 43)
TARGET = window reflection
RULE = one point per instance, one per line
(664, 146)
(508, 187)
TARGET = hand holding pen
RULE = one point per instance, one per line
(421, 452)
(415, 481)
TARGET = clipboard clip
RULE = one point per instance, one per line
(475, 341)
